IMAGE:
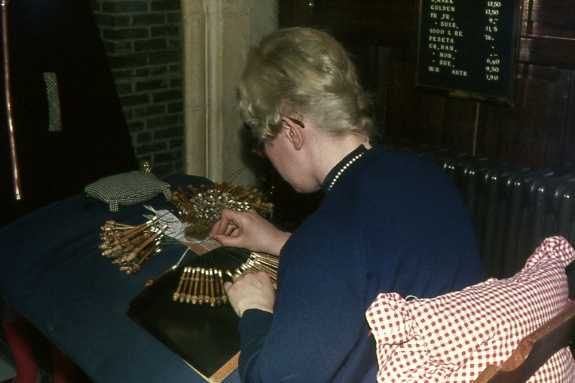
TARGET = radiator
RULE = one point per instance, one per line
(513, 209)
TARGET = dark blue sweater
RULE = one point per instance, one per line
(392, 222)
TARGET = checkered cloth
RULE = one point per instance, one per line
(127, 189)
(453, 337)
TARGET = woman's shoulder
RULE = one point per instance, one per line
(396, 160)
(395, 170)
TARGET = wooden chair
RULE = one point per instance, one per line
(534, 350)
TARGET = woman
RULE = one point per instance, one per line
(388, 221)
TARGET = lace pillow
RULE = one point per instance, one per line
(127, 189)
(453, 337)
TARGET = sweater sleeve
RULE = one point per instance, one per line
(254, 326)
(317, 318)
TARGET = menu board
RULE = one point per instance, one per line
(468, 47)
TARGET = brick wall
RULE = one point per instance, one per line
(143, 43)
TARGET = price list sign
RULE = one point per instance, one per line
(468, 47)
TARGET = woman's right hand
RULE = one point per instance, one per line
(248, 230)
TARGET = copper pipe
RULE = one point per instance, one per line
(8, 98)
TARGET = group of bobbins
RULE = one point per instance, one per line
(257, 262)
(200, 207)
(130, 246)
(201, 286)
(205, 286)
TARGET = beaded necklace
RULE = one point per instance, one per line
(344, 168)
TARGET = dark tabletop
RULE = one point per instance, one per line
(52, 273)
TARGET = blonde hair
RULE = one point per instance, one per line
(302, 70)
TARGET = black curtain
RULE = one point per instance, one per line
(60, 37)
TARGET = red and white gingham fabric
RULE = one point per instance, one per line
(453, 337)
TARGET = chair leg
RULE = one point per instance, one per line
(64, 371)
(27, 370)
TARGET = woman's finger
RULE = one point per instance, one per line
(231, 226)
(217, 228)
(222, 224)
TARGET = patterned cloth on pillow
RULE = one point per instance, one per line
(453, 337)
(127, 189)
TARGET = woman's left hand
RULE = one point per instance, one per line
(251, 291)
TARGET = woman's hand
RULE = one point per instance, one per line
(251, 291)
(248, 230)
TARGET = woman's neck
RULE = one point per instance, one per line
(330, 151)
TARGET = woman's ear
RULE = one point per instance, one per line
(295, 133)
